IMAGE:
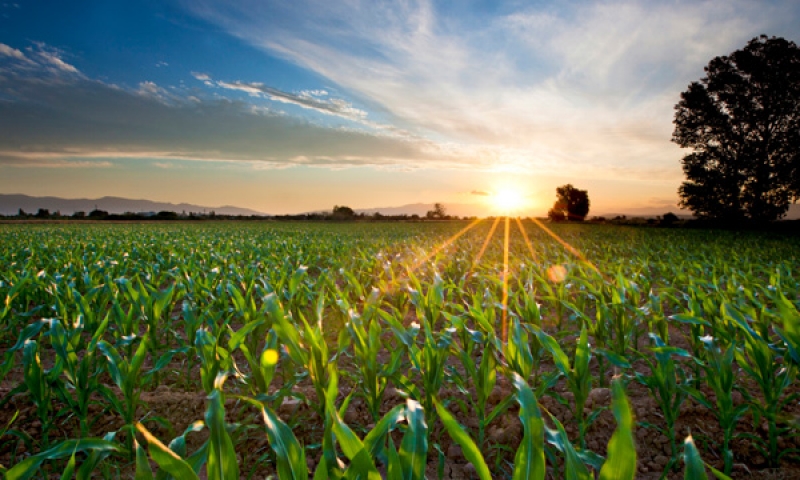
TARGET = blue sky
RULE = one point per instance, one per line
(295, 106)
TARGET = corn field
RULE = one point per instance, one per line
(497, 349)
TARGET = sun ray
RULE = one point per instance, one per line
(504, 328)
(483, 247)
(574, 251)
(527, 240)
(390, 288)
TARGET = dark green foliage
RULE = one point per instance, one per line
(571, 204)
(742, 124)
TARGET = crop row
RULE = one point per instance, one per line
(258, 317)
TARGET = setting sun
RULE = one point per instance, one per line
(508, 199)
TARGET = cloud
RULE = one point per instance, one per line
(585, 86)
(62, 119)
(13, 53)
(52, 56)
(305, 99)
(26, 160)
(480, 193)
(165, 165)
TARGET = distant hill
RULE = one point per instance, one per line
(10, 205)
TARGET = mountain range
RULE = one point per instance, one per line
(10, 205)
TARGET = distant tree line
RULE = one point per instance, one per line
(339, 213)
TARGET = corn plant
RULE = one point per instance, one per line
(481, 376)
(365, 332)
(719, 369)
(308, 349)
(126, 374)
(760, 361)
(81, 373)
(578, 376)
(669, 386)
(39, 384)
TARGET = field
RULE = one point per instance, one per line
(369, 350)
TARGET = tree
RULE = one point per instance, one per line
(571, 203)
(556, 214)
(340, 212)
(438, 211)
(669, 219)
(742, 124)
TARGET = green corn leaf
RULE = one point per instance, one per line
(394, 469)
(529, 461)
(143, 470)
(621, 461)
(241, 335)
(361, 464)
(94, 458)
(166, 459)
(689, 319)
(559, 357)
(69, 470)
(386, 424)
(694, 468)
(289, 454)
(30, 466)
(574, 466)
(132, 377)
(468, 447)
(414, 447)
(582, 354)
(29, 332)
(614, 358)
(221, 463)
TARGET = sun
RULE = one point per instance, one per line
(508, 199)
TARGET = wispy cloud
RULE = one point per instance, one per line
(8, 51)
(203, 77)
(479, 193)
(52, 57)
(312, 99)
(588, 86)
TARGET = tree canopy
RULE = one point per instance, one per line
(438, 211)
(742, 124)
(342, 212)
(571, 204)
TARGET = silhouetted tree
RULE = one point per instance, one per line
(556, 215)
(340, 212)
(571, 202)
(742, 123)
(43, 213)
(669, 218)
(438, 211)
(166, 215)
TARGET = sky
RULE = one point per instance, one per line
(287, 107)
